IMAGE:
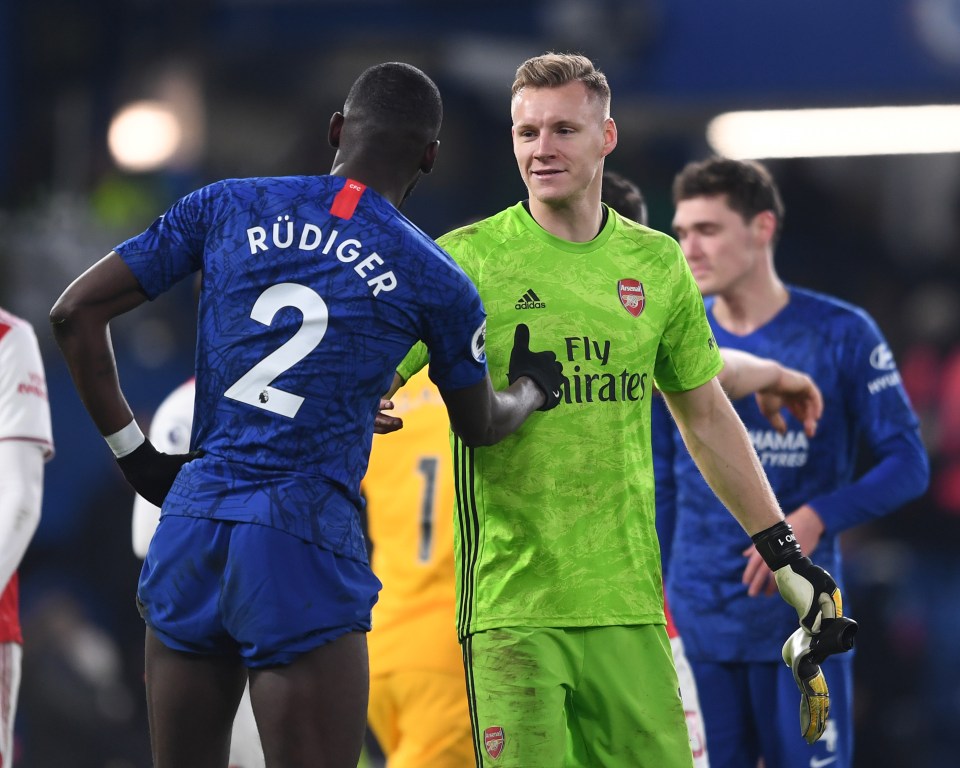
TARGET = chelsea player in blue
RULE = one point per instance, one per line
(314, 288)
(728, 216)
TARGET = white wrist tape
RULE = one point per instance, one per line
(126, 441)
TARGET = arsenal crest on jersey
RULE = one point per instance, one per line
(493, 741)
(631, 295)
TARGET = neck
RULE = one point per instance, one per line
(576, 221)
(390, 188)
(750, 304)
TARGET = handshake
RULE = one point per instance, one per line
(823, 628)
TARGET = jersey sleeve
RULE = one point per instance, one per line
(879, 400)
(455, 333)
(885, 421)
(416, 359)
(688, 355)
(24, 408)
(172, 247)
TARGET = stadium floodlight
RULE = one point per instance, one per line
(144, 136)
(927, 129)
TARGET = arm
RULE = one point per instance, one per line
(26, 441)
(80, 320)
(901, 473)
(21, 494)
(417, 358)
(776, 387)
(718, 443)
(480, 415)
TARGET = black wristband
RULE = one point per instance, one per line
(777, 545)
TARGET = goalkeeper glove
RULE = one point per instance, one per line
(804, 653)
(807, 587)
(151, 473)
(542, 367)
(814, 694)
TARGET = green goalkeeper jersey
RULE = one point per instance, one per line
(555, 524)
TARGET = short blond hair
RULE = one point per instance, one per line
(551, 70)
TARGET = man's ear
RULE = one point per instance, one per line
(429, 156)
(609, 136)
(765, 224)
(333, 132)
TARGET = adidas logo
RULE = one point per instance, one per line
(530, 300)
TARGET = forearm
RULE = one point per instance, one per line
(720, 446)
(80, 322)
(902, 473)
(21, 495)
(88, 351)
(743, 373)
(490, 418)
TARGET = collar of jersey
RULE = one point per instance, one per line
(530, 224)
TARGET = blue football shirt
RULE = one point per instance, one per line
(841, 347)
(313, 290)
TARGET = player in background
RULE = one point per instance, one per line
(170, 431)
(742, 374)
(774, 386)
(418, 704)
(313, 288)
(26, 443)
(728, 218)
(559, 587)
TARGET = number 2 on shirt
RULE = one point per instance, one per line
(253, 388)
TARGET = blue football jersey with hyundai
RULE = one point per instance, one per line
(840, 346)
(313, 290)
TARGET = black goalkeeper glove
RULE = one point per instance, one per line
(151, 473)
(807, 587)
(543, 367)
(804, 653)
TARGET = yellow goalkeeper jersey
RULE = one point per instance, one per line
(410, 498)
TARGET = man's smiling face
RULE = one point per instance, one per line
(560, 137)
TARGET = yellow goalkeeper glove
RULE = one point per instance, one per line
(804, 653)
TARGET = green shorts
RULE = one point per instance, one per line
(594, 696)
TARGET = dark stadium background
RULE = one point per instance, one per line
(263, 77)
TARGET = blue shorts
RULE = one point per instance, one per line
(225, 588)
(753, 709)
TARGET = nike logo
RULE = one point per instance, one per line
(819, 762)
(556, 393)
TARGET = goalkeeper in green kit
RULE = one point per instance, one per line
(559, 593)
